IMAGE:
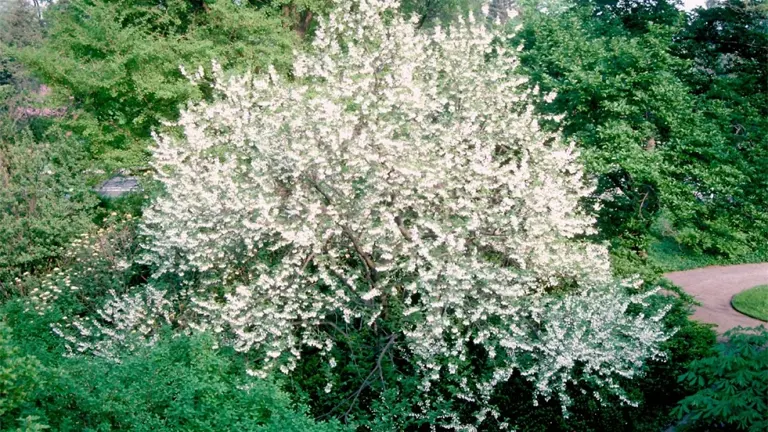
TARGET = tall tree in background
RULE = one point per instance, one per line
(119, 61)
(44, 201)
(658, 143)
(19, 27)
(635, 15)
(432, 12)
(727, 44)
(621, 94)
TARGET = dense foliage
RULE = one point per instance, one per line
(732, 385)
(415, 183)
(673, 124)
(44, 201)
(119, 61)
(18, 374)
(179, 384)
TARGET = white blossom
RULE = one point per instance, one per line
(397, 165)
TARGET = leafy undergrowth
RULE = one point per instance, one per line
(733, 385)
(668, 255)
(753, 302)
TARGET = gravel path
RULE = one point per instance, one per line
(715, 286)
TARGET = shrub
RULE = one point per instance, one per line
(733, 384)
(44, 198)
(18, 377)
(179, 384)
(401, 183)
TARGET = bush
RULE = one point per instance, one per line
(44, 199)
(18, 377)
(733, 384)
(183, 383)
(399, 182)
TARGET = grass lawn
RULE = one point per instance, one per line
(753, 302)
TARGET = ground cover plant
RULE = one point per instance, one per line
(732, 385)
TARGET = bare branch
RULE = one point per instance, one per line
(370, 266)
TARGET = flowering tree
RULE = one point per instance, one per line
(400, 173)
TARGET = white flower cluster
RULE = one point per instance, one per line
(108, 250)
(125, 322)
(106, 315)
(397, 166)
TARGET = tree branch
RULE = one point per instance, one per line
(366, 382)
(370, 266)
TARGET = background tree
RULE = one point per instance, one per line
(433, 12)
(119, 61)
(44, 202)
(624, 104)
(728, 46)
(19, 27)
(662, 148)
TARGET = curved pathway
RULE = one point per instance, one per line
(715, 286)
